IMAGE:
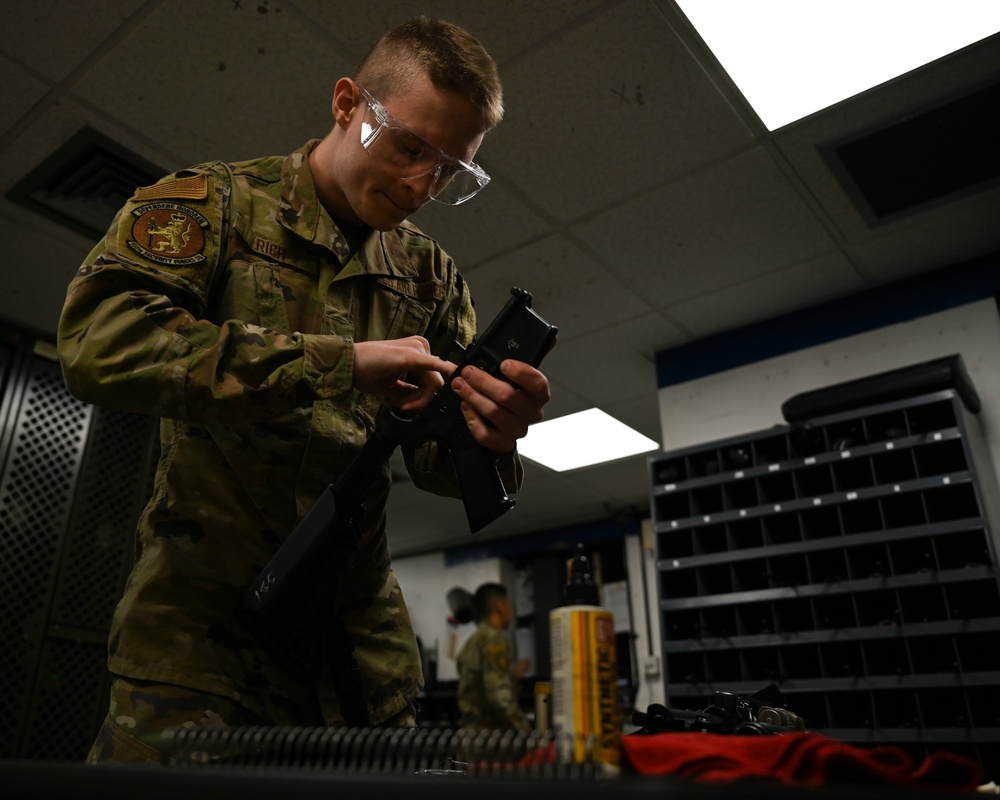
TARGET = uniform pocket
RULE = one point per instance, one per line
(271, 298)
(408, 306)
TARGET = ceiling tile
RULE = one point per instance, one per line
(723, 225)
(248, 66)
(802, 143)
(569, 289)
(54, 37)
(639, 413)
(564, 399)
(488, 225)
(769, 295)
(625, 483)
(560, 502)
(625, 353)
(960, 231)
(53, 128)
(610, 108)
(20, 92)
(505, 29)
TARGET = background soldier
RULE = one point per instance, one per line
(487, 677)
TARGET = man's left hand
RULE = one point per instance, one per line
(498, 413)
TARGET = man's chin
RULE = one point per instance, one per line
(381, 221)
(387, 215)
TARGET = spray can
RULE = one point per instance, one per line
(586, 713)
(543, 706)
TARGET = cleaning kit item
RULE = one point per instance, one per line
(586, 713)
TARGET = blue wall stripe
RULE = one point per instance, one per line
(875, 308)
(558, 539)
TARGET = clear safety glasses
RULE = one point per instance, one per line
(384, 137)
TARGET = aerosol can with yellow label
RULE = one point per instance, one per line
(586, 712)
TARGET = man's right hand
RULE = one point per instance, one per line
(402, 370)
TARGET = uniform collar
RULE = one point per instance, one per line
(301, 212)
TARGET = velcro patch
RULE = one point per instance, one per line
(497, 653)
(191, 188)
(168, 233)
(258, 243)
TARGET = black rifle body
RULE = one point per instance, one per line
(332, 525)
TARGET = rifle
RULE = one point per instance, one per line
(334, 520)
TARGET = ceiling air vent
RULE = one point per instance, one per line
(931, 157)
(83, 184)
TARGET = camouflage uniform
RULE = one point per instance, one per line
(140, 712)
(226, 301)
(487, 691)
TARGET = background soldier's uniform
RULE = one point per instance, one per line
(487, 691)
(225, 300)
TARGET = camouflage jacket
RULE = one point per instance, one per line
(487, 691)
(225, 300)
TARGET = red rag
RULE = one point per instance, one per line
(800, 758)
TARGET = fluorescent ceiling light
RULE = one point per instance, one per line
(582, 440)
(791, 58)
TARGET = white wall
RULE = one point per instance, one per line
(425, 581)
(749, 398)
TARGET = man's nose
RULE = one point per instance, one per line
(422, 185)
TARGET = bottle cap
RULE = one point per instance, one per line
(581, 590)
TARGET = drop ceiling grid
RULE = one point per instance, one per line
(555, 499)
(735, 220)
(624, 372)
(209, 83)
(20, 91)
(504, 28)
(761, 297)
(957, 231)
(56, 36)
(802, 143)
(618, 483)
(609, 109)
(494, 222)
(640, 413)
(569, 289)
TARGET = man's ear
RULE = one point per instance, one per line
(346, 98)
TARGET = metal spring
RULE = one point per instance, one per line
(383, 751)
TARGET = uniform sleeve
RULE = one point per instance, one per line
(499, 686)
(133, 332)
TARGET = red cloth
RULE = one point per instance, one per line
(800, 758)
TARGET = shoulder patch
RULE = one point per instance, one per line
(168, 233)
(191, 188)
(497, 653)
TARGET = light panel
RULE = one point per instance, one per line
(582, 440)
(791, 58)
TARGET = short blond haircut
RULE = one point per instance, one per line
(449, 55)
